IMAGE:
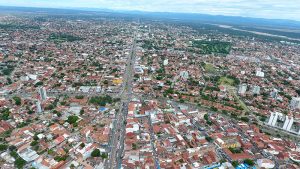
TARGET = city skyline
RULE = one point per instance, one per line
(256, 9)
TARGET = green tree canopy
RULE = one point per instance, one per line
(96, 153)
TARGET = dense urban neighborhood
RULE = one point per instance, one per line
(94, 91)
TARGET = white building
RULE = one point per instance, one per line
(274, 93)
(84, 89)
(265, 163)
(38, 107)
(242, 89)
(32, 77)
(273, 118)
(43, 93)
(284, 122)
(24, 78)
(259, 73)
(166, 62)
(86, 151)
(28, 155)
(184, 74)
(256, 90)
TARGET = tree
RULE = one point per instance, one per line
(9, 81)
(30, 112)
(134, 146)
(17, 100)
(5, 114)
(105, 82)
(72, 119)
(209, 139)
(245, 119)
(206, 117)
(50, 151)
(96, 153)
(50, 107)
(82, 145)
(60, 158)
(235, 150)
(59, 114)
(12, 148)
(101, 100)
(263, 119)
(136, 76)
(81, 112)
(235, 164)
(35, 137)
(249, 162)
(214, 109)
(79, 97)
(40, 83)
(3, 147)
(298, 91)
(104, 155)
(222, 161)
(34, 143)
(19, 163)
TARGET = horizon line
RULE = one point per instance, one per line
(90, 9)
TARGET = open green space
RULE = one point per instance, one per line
(224, 80)
(209, 68)
(61, 37)
(210, 47)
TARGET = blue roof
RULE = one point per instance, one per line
(244, 166)
(102, 109)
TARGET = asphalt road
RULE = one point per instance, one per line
(119, 125)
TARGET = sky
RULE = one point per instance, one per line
(271, 9)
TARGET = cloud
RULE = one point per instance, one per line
(275, 9)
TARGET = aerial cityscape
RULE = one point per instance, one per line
(105, 89)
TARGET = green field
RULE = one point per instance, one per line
(60, 37)
(209, 68)
(226, 81)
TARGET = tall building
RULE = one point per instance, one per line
(166, 62)
(184, 74)
(288, 123)
(38, 107)
(284, 122)
(255, 89)
(274, 93)
(259, 73)
(242, 89)
(43, 93)
(273, 118)
(295, 103)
